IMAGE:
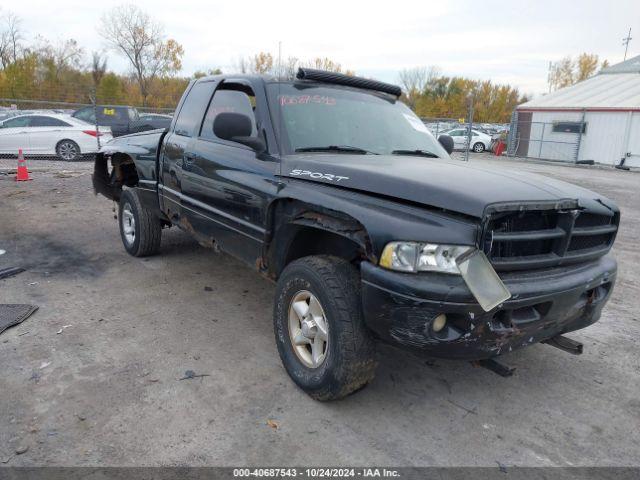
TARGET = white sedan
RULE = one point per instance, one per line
(479, 141)
(50, 134)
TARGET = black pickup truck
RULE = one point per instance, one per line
(330, 186)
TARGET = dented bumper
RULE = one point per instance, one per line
(399, 308)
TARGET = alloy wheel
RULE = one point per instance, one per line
(68, 150)
(128, 224)
(308, 329)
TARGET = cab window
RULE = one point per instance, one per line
(193, 109)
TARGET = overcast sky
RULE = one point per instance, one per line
(507, 42)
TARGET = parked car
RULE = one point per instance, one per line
(479, 141)
(50, 134)
(333, 188)
(122, 120)
(156, 120)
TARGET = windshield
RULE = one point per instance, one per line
(310, 118)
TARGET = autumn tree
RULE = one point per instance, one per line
(449, 97)
(261, 63)
(136, 36)
(568, 71)
(211, 71)
(586, 66)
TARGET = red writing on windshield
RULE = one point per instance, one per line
(306, 99)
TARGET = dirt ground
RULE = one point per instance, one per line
(107, 389)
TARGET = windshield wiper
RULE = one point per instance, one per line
(420, 153)
(336, 148)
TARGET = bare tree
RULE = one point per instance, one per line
(60, 56)
(414, 80)
(241, 65)
(135, 35)
(98, 67)
(10, 38)
(286, 68)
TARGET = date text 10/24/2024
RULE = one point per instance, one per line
(316, 472)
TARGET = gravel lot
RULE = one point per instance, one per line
(106, 390)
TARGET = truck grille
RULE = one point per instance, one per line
(544, 238)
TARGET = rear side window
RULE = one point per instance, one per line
(86, 114)
(17, 122)
(228, 101)
(113, 114)
(47, 122)
(193, 108)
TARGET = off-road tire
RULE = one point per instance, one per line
(478, 147)
(148, 228)
(350, 360)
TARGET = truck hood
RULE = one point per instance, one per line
(435, 182)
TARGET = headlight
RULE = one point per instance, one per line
(422, 257)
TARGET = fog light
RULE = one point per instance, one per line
(439, 322)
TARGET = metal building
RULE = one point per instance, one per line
(596, 120)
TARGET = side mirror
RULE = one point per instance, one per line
(447, 143)
(236, 127)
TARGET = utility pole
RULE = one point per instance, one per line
(625, 41)
(280, 76)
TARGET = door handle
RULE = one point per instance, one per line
(189, 158)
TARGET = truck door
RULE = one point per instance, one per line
(229, 186)
(177, 148)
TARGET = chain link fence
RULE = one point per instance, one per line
(467, 136)
(103, 119)
(536, 135)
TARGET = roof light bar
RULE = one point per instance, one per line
(342, 79)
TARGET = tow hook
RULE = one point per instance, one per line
(566, 344)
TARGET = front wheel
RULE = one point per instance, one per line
(68, 150)
(140, 228)
(478, 147)
(323, 342)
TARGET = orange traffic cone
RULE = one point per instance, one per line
(23, 174)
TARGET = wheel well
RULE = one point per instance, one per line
(300, 230)
(124, 170)
(66, 140)
(109, 182)
(313, 241)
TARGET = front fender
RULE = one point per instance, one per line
(383, 219)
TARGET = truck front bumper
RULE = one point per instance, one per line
(400, 308)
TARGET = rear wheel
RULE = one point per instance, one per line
(140, 228)
(478, 147)
(320, 332)
(68, 150)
